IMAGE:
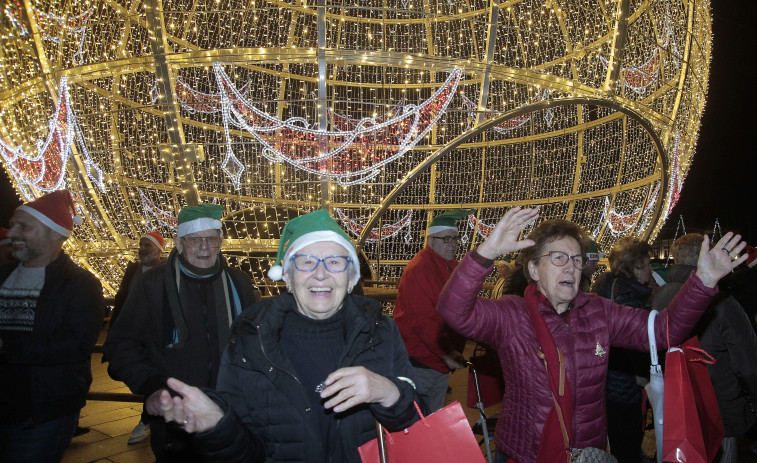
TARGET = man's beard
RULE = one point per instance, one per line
(148, 259)
(26, 253)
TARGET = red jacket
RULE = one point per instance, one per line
(427, 338)
(584, 336)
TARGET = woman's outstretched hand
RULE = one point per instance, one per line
(194, 411)
(714, 263)
(504, 237)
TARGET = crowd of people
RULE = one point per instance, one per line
(305, 376)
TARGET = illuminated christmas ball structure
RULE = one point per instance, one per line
(386, 112)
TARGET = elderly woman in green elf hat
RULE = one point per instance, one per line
(306, 373)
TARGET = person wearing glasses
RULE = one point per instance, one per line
(553, 343)
(176, 321)
(435, 349)
(307, 373)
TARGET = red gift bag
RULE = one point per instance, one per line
(693, 428)
(442, 437)
(491, 383)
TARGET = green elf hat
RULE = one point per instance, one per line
(306, 230)
(593, 251)
(448, 220)
(193, 219)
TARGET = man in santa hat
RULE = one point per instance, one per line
(50, 316)
(151, 246)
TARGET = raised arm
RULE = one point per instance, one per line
(459, 304)
(504, 237)
(715, 263)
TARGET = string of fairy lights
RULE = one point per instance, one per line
(275, 108)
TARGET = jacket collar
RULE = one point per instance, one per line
(679, 273)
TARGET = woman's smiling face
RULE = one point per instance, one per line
(319, 294)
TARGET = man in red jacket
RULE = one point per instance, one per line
(433, 347)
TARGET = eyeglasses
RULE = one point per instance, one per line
(194, 242)
(332, 264)
(559, 259)
(447, 239)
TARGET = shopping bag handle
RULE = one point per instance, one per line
(709, 361)
(385, 436)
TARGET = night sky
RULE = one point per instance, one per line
(723, 176)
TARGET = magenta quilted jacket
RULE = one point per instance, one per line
(592, 325)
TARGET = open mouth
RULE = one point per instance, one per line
(325, 289)
(568, 283)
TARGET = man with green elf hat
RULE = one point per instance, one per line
(307, 373)
(435, 350)
(176, 323)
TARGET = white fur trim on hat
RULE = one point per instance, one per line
(439, 228)
(314, 237)
(47, 221)
(152, 240)
(198, 225)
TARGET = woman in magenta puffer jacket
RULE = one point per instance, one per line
(559, 329)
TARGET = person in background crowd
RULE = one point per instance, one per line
(503, 273)
(434, 349)
(593, 255)
(175, 322)
(553, 343)
(627, 283)
(6, 250)
(308, 372)
(742, 284)
(725, 333)
(51, 311)
(150, 249)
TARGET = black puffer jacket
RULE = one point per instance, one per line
(625, 364)
(725, 333)
(269, 411)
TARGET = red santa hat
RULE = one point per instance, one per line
(55, 210)
(751, 251)
(155, 237)
(4, 240)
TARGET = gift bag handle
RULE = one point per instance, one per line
(383, 435)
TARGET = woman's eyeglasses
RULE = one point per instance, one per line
(308, 263)
(559, 259)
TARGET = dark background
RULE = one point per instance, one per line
(723, 174)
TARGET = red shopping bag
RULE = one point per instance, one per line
(442, 437)
(491, 383)
(693, 428)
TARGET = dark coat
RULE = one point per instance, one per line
(583, 336)
(52, 364)
(625, 364)
(258, 385)
(139, 347)
(726, 334)
(132, 269)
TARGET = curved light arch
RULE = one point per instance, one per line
(491, 123)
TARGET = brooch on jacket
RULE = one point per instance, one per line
(599, 351)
